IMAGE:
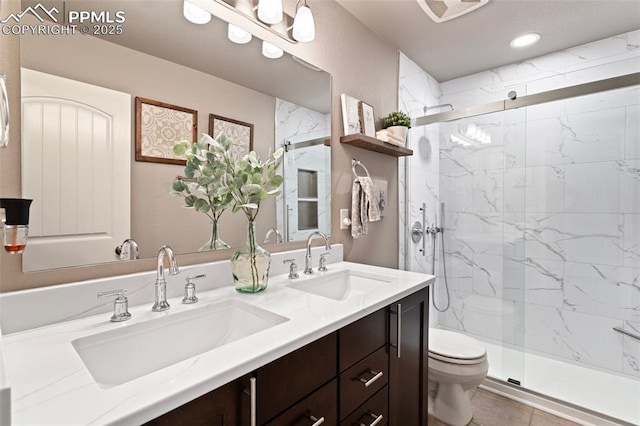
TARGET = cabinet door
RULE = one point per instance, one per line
(294, 376)
(219, 407)
(408, 360)
(362, 338)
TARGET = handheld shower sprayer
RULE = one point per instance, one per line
(434, 231)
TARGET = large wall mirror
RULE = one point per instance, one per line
(83, 191)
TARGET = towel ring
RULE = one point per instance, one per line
(353, 169)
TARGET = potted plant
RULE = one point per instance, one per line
(201, 188)
(397, 123)
(248, 181)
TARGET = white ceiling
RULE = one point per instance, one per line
(480, 39)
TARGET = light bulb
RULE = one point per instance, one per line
(238, 35)
(195, 14)
(304, 28)
(525, 40)
(270, 51)
(270, 11)
(470, 130)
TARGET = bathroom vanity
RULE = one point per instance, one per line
(345, 345)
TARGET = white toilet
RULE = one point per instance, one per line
(457, 365)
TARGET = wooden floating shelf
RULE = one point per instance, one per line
(373, 144)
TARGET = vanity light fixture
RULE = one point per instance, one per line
(304, 28)
(195, 14)
(270, 11)
(271, 51)
(238, 35)
(525, 40)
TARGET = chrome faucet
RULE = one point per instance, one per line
(273, 231)
(161, 303)
(307, 258)
(128, 250)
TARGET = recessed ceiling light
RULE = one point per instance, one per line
(525, 40)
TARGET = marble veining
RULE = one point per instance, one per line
(547, 216)
(50, 384)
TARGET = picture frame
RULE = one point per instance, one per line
(350, 118)
(367, 119)
(382, 188)
(159, 126)
(240, 132)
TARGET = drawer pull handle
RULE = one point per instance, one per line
(376, 376)
(318, 421)
(377, 419)
(251, 392)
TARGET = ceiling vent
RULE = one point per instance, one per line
(444, 10)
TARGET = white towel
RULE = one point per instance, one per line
(365, 206)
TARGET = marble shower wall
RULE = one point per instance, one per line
(294, 122)
(417, 90)
(543, 224)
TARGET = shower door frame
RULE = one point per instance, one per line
(529, 100)
(515, 102)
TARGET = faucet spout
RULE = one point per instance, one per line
(278, 235)
(307, 258)
(161, 303)
(128, 250)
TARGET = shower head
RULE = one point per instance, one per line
(425, 109)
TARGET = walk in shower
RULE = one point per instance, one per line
(541, 228)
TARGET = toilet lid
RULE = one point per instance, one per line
(454, 345)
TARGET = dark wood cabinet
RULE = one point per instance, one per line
(408, 360)
(289, 379)
(220, 407)
(374, 411)
(317, 408)
(373, 370)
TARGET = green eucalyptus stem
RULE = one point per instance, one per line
(251, 242)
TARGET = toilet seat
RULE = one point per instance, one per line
(455, 348)
(457, 361)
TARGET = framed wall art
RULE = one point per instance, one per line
(367, 122)
(350, 119)
(159, 126)
(239, 132)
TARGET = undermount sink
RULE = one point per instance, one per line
(340, 285)
(126, 353)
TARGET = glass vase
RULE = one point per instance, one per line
(250, 264)
(215, 243)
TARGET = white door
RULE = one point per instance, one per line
(76, 166)
(306, 190)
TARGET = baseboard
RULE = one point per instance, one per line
(553, 406)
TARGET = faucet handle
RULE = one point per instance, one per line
(190, 290)
(322, 266)
(120, 304)
(293, 268)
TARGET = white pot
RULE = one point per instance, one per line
(399, 132)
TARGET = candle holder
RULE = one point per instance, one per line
(15, 229)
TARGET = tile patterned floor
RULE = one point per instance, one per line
(490, 409)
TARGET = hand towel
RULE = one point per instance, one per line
(365, 206)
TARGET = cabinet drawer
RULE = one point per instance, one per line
(362, 338)
(287, 380)
(374, 411)
(320, 404)
(359, 382)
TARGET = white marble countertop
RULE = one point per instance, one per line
(51, 385)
